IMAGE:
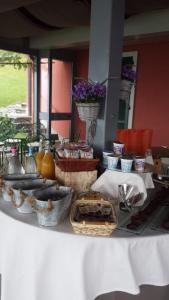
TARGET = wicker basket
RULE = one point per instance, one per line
(77, 165)
(101, 228)
(88, 111)
(125, 89)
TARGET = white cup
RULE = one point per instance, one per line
(105, 154)
(139, 163)
(126, 164)
(112, 162)
(118, 148)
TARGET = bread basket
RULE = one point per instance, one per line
(93, 227)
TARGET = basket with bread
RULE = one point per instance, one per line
(93, 214)
(76, 157)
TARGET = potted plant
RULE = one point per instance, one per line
(128, 76)
(87, 95)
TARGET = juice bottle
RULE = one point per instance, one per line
(48, 165)
(39, 156)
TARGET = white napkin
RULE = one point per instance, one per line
(108, 183)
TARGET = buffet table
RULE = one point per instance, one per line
(39, 263)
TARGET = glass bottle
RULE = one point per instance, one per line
(149, 157)
(14, 165)
(30, 163)
(47, 164)
(39, 156)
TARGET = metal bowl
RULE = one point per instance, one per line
(22, 193)
(7, 181)
(52, 204)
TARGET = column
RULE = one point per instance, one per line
(105, 53)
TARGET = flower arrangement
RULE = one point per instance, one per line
(88, 92)
(128, 73)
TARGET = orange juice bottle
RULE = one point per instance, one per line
(48, 165)
(39, 156)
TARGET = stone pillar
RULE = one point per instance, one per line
(105, 55)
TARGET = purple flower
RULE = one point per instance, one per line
(128, 73)
(88, 91)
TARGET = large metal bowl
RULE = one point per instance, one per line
(22, 193)
(7, 181)
(53, 204)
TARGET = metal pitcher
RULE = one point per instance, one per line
(12, 165)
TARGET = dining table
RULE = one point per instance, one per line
(40, 263)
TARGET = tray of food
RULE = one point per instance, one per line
(161, 179)
(161, 221)
(138, 222)
(93, 214)
(76, 157)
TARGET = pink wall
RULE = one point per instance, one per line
(61, 95)
(152, 88)
(152, 92)
(44, 85)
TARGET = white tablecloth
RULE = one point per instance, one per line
(42, 264)
(108, 183)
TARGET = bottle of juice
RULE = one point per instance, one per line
(39, 156)
(47, 164)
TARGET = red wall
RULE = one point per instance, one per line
(152, 92)
(152, 88)
(61, 94)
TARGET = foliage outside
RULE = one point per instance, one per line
(17, 60)
(12, 86)
(7, 128)
(13, 77)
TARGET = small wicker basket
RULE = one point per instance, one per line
(76, 165)
(101, 228)
(88, 111)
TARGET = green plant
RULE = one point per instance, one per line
(18, 60)
(7, 128)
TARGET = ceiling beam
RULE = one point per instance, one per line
(151, 23)
(17, 45)
(61, 39)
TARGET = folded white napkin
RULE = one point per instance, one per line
(109, 181)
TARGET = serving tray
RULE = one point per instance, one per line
(148, 169)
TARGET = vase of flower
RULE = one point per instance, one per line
(87, 96)
(128, 77)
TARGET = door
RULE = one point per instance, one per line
(126, 107)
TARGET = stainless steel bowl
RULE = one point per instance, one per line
(22, 193)
(7, 181)
(52, 204)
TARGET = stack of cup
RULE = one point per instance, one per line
(105, 157)
(118, 148)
